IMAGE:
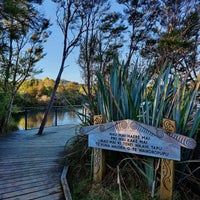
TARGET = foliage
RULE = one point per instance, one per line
(163, 31)
(34, 92)
(180, 47)
(80, 179)
(157, 32)
(23, 31)
(125, 95)
(110, 101)
(143, 19)
(100, 42)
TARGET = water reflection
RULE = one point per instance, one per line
(35, 118)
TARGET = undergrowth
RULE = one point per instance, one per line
(131, 186)
(122, 180)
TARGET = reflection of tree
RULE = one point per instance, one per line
(22, 123)
(61, 115)
(34, 120)
(70, 115)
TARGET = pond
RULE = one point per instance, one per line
(60, 117)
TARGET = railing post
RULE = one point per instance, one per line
(26, 119)
(56, 116)
(99, 165)
(84, 111)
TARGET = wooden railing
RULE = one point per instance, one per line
(54, 109)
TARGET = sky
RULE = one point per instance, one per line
(53, 48)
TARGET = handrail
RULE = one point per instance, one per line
(42, 108)
(53, 107)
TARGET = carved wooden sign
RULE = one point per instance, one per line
(138, 138)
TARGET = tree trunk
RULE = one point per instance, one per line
(71, 18)
(44, 120)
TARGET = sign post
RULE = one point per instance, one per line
(99, 164)
(137, 138)
(167, 167)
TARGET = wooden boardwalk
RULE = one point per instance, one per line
(31, 165)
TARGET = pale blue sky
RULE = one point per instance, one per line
(53, 47)
(51, 62)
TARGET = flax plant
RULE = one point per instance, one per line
(119, 95)
(133, 95)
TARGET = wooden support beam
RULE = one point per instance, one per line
(167, 167)
(99, 164)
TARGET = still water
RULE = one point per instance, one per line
(35, 117)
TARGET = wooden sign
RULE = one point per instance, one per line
(133, 137)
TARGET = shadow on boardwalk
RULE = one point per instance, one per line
(31, 165)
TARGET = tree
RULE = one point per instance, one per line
(164, 31)
(100, 43)
(70, 19)
(143, 18)
(23, 30)
(49, 84)
(180, 46)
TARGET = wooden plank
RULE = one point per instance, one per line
(20, 168)
(56, 196)
(29, 184)
(24, 165)
(33, 193)
(25, 180)
(30, 172)
(31, 166)
(28, 159)
(23, 191)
